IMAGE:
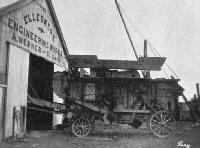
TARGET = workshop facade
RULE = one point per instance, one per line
(31, 44)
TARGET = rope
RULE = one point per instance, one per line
(142, 37)
(161, 67)
(165, 62)
(165, 72)
(150, 45)
(134, 26)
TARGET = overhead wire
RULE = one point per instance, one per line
(142, 36)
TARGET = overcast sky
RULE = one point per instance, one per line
(172, 26)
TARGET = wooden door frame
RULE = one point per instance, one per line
(4, 101)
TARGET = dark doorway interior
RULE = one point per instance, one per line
(40, 85)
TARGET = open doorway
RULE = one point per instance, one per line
(40, 86)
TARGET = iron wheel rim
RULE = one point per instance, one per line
(162, 124)
(81, 127)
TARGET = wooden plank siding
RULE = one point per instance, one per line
(125, 93)
(14, 72)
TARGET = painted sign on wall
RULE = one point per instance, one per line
(33, 29)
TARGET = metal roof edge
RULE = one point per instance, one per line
(58, 28)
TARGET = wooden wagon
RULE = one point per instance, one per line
(118, 96)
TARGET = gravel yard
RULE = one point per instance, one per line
(187, 135)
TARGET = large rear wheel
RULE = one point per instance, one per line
(162, 124)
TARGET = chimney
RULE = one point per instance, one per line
(147, 72)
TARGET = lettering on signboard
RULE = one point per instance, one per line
(37, 17)
(33, 42)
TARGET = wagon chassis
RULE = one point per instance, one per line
(160, 122)
(81, 115)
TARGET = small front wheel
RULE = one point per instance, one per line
(81, 127)
(162, 123)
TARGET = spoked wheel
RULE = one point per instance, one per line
(162, 124)
(81, 127)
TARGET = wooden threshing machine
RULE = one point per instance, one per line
(114, 92)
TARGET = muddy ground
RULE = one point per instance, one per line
(187, 135)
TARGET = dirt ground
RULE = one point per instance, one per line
(187, 135)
